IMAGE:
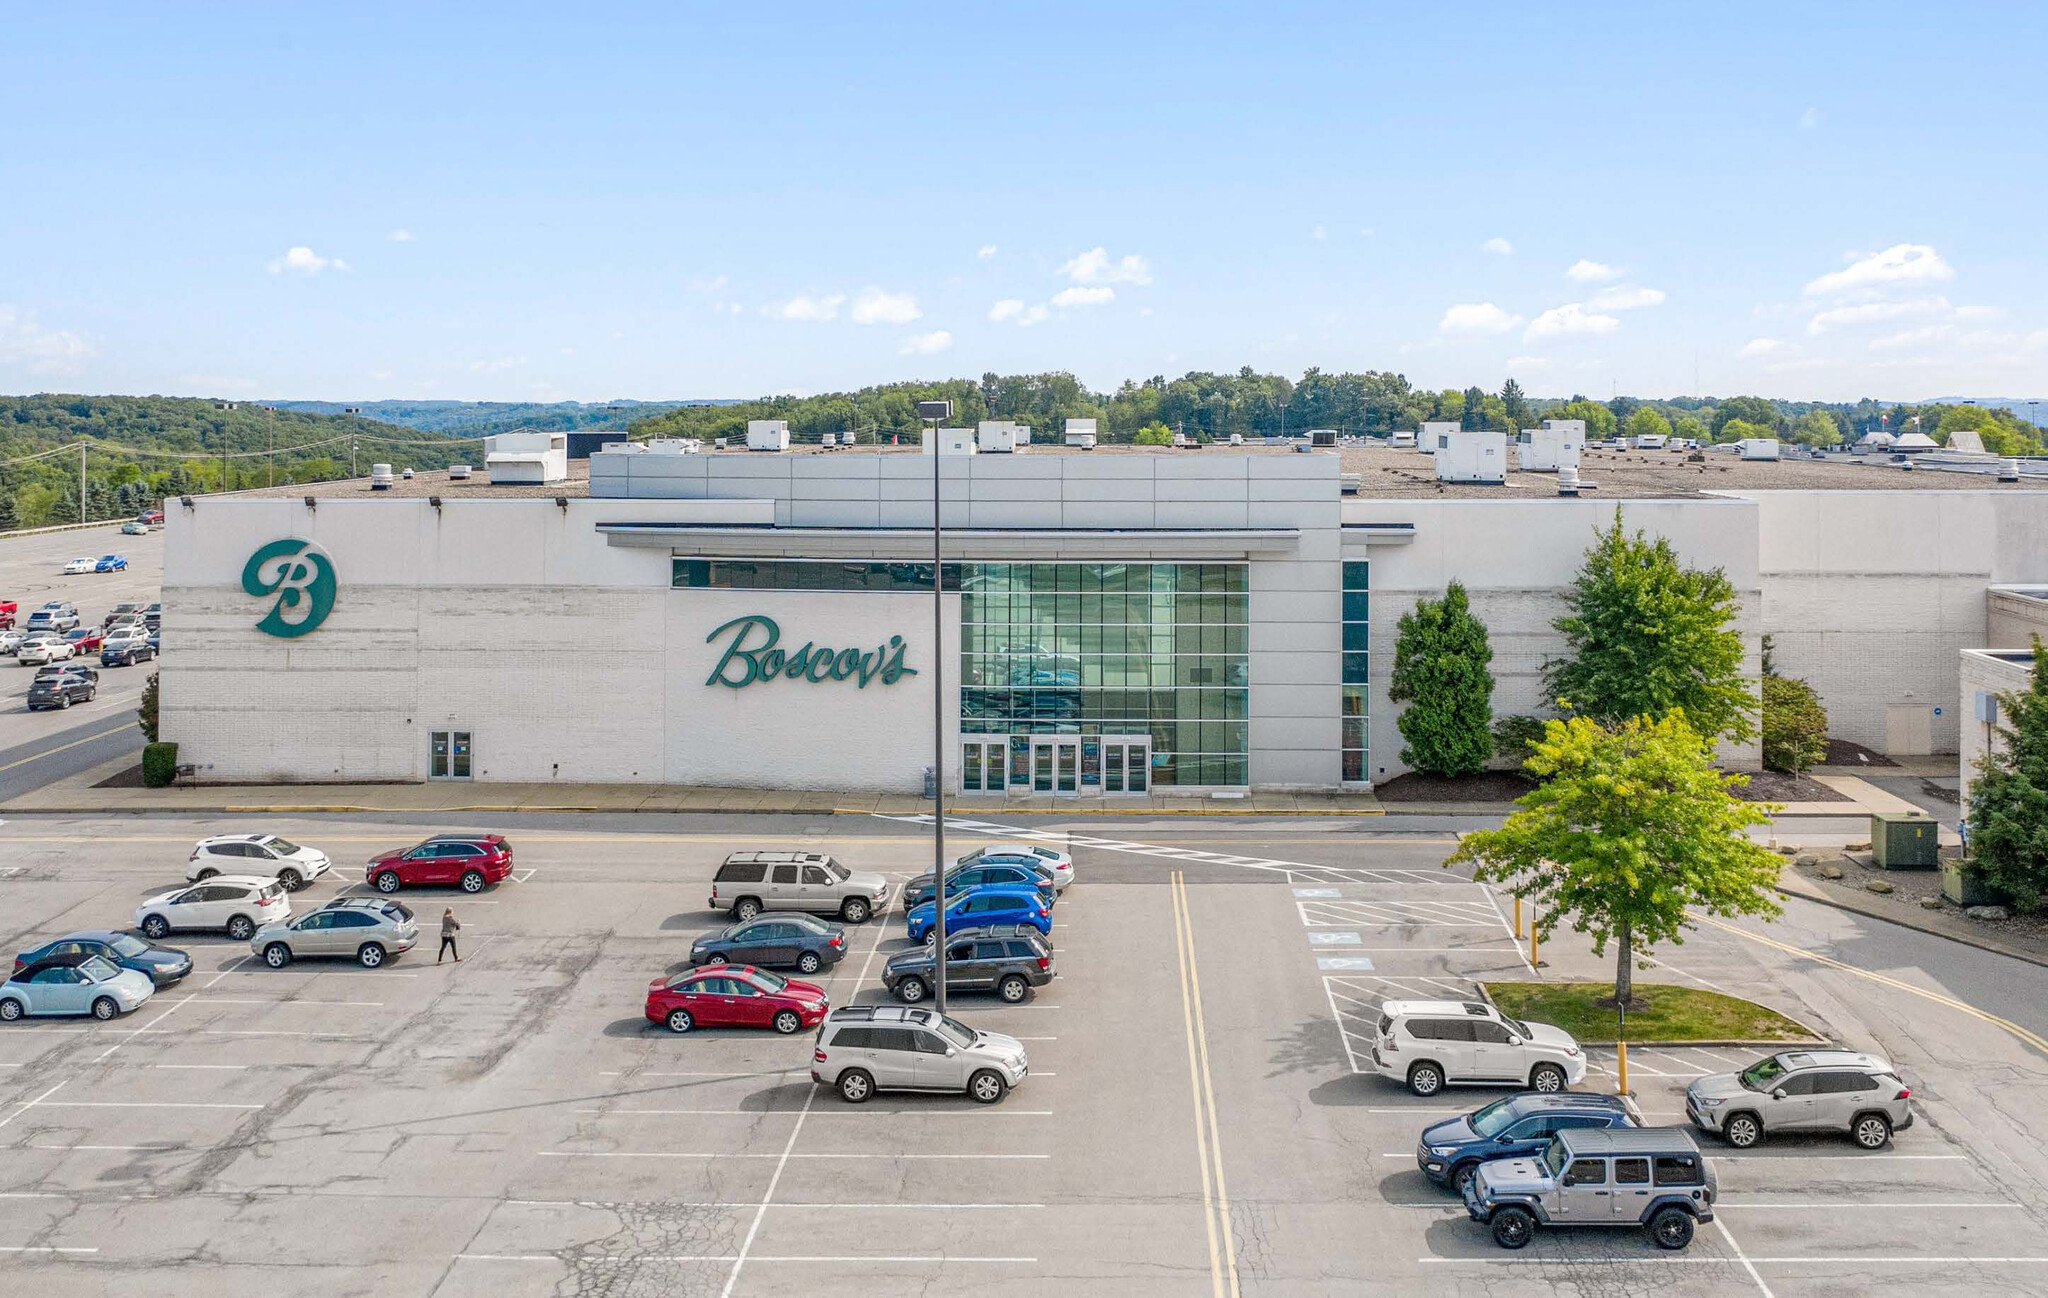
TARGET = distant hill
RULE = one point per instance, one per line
(481, 418)
(2032, 409)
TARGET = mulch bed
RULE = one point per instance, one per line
(1774, 786)
(1843, 753)
(1487, 786)
(1909, 886)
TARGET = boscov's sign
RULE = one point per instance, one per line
(754, 654)
(301, 577)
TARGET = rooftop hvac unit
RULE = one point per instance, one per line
(2009, 470)
(1551, 448)
(1347, 484)
(1081, 433)
(1401, 440)
(458, 472)
(952, 441)
(1473, 457)
(767, 434)
(1758, 448)
(1000, 436)
(1322, 437)
(828, 440)
(380, 477)
(1432, 437)
(1567, 480)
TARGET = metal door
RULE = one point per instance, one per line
(1631, 1188)
(938, 1070)
(1586, 1198)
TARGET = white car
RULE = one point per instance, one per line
(11, 639)
(1045, 858)
(257, 854)
(41, 647)
(1431, 1044)
(237, 905)
(80, 565)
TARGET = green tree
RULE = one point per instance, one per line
(1736, 430)
(1440, 672)
(1816, 428)
(1153, 435)
(145, 715)
(1474, 411)
(1795, 725)
(1754, 410)
(1647, 635)
(2009, 796)
(9, 520)
(1690, 428)
(1599, 419)
(1516, 402)
(1630, 827)
(1645, 422)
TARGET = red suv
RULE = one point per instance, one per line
(467, 860)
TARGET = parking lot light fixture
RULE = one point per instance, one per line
(935, 413)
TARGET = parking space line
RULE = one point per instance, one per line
(39, 1248)
(653, 1153)
(152, 1149)
(31, 1104)
(1209, 1150)
(735, 1258)
(1004, 1112)
(1861, 1259)
(147, 1027)
(673, 1203)
(1838, 1205)
(771, 1072)
(1741, 1257)
(139, 1104)
(1804, 1157)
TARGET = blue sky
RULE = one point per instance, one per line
(544, 202)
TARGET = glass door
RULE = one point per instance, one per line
(982, 765)
(1041, 766)
(1126, 763)
(1067, 759)
(448, 755)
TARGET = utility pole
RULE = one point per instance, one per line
(228, 406)
(936, 413)
(81, 482)
(271, 413)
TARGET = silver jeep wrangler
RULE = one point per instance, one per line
(1654, 1177)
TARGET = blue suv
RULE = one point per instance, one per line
(1519, 1126)
(963, 878)
(981, 907)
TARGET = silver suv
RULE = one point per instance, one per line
(1654, 1177)
(751, 882)
(1803, 1090)
(368, 930)
(862, 1049)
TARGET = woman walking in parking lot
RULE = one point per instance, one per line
(450, 926)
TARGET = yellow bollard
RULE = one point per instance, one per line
(1533, 961)
(1621, 1065)
(1518, 917)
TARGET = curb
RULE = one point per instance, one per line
(1872, 912)
(340, 808)
(1809, 1040)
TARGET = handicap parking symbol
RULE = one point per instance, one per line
(1354, 963)
(1317, 892)
(1326, 938)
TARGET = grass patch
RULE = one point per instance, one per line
(1674, 1013)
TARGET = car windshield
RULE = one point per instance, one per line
(954, 1031)
(1494, 1118)
(1518, 1027)
(1553, 1158)
(282, 847)
(97, 969)
(129, 945)
(838, 871)
(1762, 1071)
(768, 982)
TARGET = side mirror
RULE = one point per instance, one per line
(1568, 1183)
(951, 1051)
(1778, 1094)
(1514, 1040)
(1503, 1139)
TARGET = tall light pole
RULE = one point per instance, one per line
(353, 412)
(229, 407)
(935, 413)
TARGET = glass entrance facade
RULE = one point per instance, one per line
(1107, 653)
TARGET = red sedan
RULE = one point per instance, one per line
(735, 996)
(85, 640)
(468, 861)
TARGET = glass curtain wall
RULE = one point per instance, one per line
(1356, 645)
(1099, 649)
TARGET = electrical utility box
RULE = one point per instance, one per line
(1904, 842)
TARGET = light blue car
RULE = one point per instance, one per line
(73, 984)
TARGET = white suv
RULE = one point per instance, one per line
(237, 906)
(266, 854)
(1427, 1044)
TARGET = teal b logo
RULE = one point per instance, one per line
(301, 577)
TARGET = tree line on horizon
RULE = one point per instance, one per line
(1212, 406)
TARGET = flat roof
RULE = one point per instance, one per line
(1383, 473)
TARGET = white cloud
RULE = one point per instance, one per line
(400, 235)
(1095, 267)
(1570, 319)
(1625, 297)
(25, 342)
(1477, 318)
(498, 366)
(802, 307)
(1007, 309)
(1865, 313)
(305, 261)
(1144, 310)
(1497, 245)
(931, 344)
(706, 283)
(1036, 315)
(873, 306)
(1810, 118)
(1078, 296)
(1920, 337)
(1759, 347)
(986, 251)
(1319, 233)
(1902, 263)
(1528, 362)
(1591, 272)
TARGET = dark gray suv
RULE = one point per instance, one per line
(1007, 959)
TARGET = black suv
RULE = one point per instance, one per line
(1007, 959)
(61, 690)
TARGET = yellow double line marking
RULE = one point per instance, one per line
(1208, 1141)
(2032, 1039)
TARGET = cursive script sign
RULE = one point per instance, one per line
(754, 654)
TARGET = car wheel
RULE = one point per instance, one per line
(1425, 1079)
(807, 962)
(854, 910)
(1013, 989)
(1547, 1078)
(10, 1010)
(745, 909)
(787, 1021)
(387, 881)
(931, 937)
(1513, 1227)
(472, 881)
(291, 880)
(241, 928)
(155, 926)
(92, 693)
(277, 955)
(369, 955)
(855, 1086)
(716, 957)
(1872, 1131)
(680, 1021)
(1742, 1130)
(1671, 1228)
(63, 701)
(105, 1008)
(986, 1086)
(1461, 1176)
(207, 874)
(911, 990)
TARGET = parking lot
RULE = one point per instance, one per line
(31, 574)
(1195, 1119)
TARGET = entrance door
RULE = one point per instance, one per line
(1126, 764)
(982, 765)
(448, 756)
(1056, 766)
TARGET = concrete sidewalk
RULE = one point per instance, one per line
(79, 796)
